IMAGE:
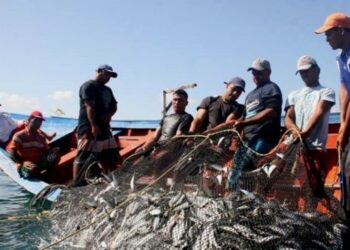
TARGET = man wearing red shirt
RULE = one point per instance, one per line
(29, 148)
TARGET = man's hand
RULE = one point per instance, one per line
(30, 165)
(342, 139)
(238, 125)
(53, 135)
(305, 134)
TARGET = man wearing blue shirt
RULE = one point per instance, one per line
(337, 31)
(261, 123)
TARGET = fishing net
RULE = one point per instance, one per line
(178, 197)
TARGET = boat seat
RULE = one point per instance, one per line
(332, 141)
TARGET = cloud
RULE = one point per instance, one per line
(61, 95)
(15, 103)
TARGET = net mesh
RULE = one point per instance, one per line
(177, 197)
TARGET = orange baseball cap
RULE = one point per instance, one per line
(335, 20)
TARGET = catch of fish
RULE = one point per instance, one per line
(104, 217)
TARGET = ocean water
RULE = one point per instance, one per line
(19, 229)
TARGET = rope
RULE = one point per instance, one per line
(242, 141)
(35, 216)
(44, 193)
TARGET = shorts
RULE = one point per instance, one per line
(315, 164)
(105, 151)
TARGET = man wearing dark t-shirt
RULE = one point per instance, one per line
(214, 111)
(97, 106)
(174, 124)
(261, 121)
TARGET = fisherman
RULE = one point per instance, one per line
(337, 30)
(307, 112)
(29, 149)
(97, 106)
(8, 127)
(172, 125)
(214, 111)
(261, 121)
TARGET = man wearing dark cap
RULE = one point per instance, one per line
(97, 106)
(262, 118)
(214, 111)
(29, 149)
(337, 30)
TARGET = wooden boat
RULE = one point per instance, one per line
(129, 139)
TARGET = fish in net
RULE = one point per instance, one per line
(137, 207)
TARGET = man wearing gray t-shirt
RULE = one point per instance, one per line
(172, 125)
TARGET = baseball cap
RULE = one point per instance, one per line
(305, 63)
(109, 69)
(335, 20)
(237, 82)
(37, 114)
(260, 64)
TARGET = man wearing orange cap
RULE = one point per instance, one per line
(337, 31)
(29, 149)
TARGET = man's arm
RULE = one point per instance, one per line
(289, 119)
(90, 111)
(264, 115)
(151, 141)
(108, 117)
(322, 108)
(230, 121)
(343, 133)
(343, 103)
(198, 120)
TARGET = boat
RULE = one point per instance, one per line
(132, 135)
(128, 140)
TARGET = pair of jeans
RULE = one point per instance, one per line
(244, 159)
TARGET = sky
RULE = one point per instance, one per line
(49, 48)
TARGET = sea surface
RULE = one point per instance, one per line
(24, 228)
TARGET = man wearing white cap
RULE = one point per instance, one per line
(261, 122)
(307, 111)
